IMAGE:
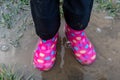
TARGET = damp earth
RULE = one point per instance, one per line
(104, 33)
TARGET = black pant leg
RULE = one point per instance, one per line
(46, 17)
(77, 13)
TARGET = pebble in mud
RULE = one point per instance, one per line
(109, 17)
(7, 52)
(4, 48)
(98, 30)
(109, 59)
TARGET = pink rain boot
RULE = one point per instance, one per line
(45, 54)
(81, 45)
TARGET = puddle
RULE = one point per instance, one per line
(62, 56)
(62, 53)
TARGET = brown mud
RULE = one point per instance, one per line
(104, 34)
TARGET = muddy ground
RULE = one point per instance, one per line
(103, 32)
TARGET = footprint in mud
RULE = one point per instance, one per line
(75, 74)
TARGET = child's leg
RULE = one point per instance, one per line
(46, 18)
(77, 15)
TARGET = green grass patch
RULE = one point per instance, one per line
(12, 11)
(112, 7)
(9, 73)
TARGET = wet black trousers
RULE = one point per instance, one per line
(46, 15)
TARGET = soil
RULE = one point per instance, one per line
(103, 33)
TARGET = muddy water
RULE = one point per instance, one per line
(105, 35)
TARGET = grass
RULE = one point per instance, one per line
(11, 10)
(13, 16)
(14, 11)
(61, 10)
(9, 73)
(112, 7)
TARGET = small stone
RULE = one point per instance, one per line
(20, 35)
(98, 30)
(109, 17)
(109, 59)
(4, 48)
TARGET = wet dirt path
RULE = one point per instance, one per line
(105, 35)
